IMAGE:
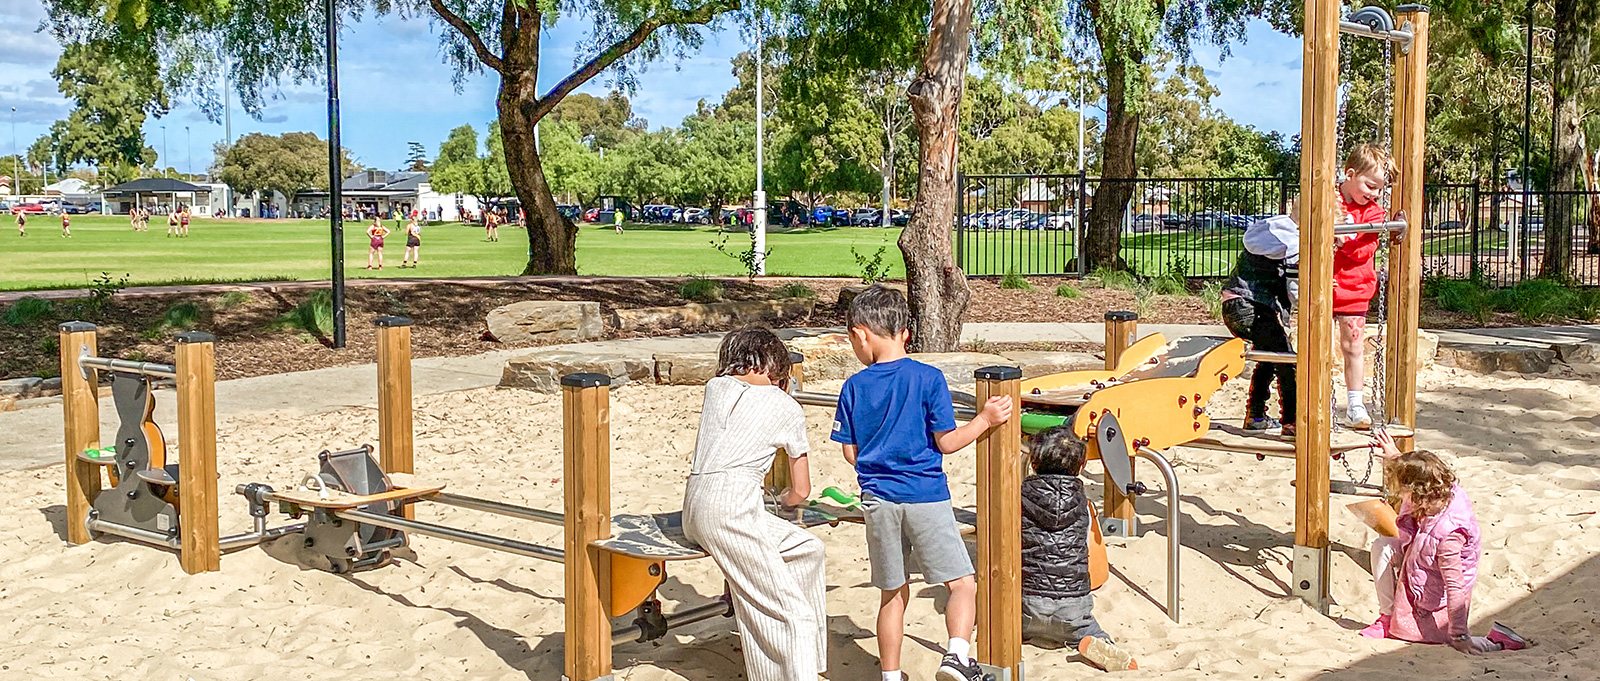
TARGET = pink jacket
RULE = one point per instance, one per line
(1425, 581)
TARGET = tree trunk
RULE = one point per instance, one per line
(1574, 19)
(938, 289)
(1103, 243)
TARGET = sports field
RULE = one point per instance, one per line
(256, 250)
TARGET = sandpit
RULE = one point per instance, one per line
(116, 610)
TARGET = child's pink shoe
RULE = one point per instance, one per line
(1508, 639)
(1378, 629)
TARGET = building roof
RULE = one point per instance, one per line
(155, 185)
(378, 180)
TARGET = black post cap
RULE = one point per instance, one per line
(796, 358)
(998, 373)
(392, 321)
(585, 380)
(76, 327)
(194, 337)
(1122, 316)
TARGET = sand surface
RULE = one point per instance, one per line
(1525, 449)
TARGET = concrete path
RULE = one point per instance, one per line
(32, 438)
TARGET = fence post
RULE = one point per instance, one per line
(961, 216)
(1495, 223)
(1283, 196)
(1476, 269)
(1078, 236)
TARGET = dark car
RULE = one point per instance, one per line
(1174, 222)
(571, 212)
(899, 218)
(75, 209)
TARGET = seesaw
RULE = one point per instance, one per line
(151, 500)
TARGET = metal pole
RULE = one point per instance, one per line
(1174, 527)
(480, 540)
(760, 226)
(227, 134)
(164, 162)
(1080, 124)
(188, 145)
(16, 177)
(335, 176)
(1523, 221)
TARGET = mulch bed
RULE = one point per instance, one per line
(449, 319)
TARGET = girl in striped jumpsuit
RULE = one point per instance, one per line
(774, 569)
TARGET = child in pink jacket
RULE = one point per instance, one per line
(1424, 577)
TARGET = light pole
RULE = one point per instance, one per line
(760, 226)
(16, 180)
(188, 145)
(335, 175)
(163, 151)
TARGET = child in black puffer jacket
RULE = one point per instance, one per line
(1056, 604)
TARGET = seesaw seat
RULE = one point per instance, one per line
(338, 500)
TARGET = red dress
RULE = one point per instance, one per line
(1355, 282)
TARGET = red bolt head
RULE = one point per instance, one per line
(1182, 400)
(1197, 425)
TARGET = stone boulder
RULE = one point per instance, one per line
(828, 356)
(689, 368)
(849, 293)
(1037, 363)
(1488, 358)
(1578, 353)
(958, 367)
(541, 371)
(534, 321)
(698, 315)
(21, 388)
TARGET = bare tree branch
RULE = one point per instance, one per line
(488, 58)
(698, 15)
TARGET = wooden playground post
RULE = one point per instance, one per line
(395, 432)
(1000, 473)
(778, 477)
(586, 447)
(197, 452)
(80, 406)
(1122, 328)
(1405, 262)
(1314, 364)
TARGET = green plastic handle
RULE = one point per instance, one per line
(1035, 423)
(840, 497)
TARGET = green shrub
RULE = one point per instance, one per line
(1169, 285)
(1068, 291)
(1539, 300)
(1012, 280)
(1587, 306)
(314, 315)
(874, 268)
(234, 299)
(181, 317)
(701, 290)
(50, 345)
(1467, 297)
(28, 311)
(794, 290)
(1121, 280)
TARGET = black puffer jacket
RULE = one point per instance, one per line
(1055, 537)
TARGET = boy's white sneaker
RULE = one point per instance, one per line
(1358, 418)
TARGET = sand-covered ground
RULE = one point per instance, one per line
(1525, 449)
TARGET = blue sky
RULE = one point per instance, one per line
(395, 88)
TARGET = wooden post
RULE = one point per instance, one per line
(1313, 422)
(80, 410)
(1000, 473)
(778, 477)
(586, 446)
(395, 431)
(197, 453)
(1119, 520)
(1405, 262)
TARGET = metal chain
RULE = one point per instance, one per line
(1344, 460)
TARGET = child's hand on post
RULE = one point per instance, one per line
(996, 410)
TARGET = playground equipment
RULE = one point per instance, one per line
(355, 515)
(1319, 203)
(151, 501)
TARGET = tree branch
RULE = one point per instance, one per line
(465, 29)
(698, 15)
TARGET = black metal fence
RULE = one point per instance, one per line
(1034, 225)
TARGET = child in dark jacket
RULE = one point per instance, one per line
(1056, 604)
(1256, 305)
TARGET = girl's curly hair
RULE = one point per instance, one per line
(1426, 477)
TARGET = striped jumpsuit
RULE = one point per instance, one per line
(774, 569)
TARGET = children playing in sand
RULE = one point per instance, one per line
(1056, 603)
(775, 570)
(1256, 304)
(1367, 171)
(896, 423)
(1424, 576)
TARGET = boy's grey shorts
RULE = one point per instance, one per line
(896, 532)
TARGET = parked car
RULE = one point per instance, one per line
(899, 218)
(75, 209)
(692, 215)
(1146, 223)
(28, 208)
(1174, 222)
(570, 211)
(5, 207)
(591, 215)
(1449, 226)
(866, 217)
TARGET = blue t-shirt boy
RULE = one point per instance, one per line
(891, 412)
